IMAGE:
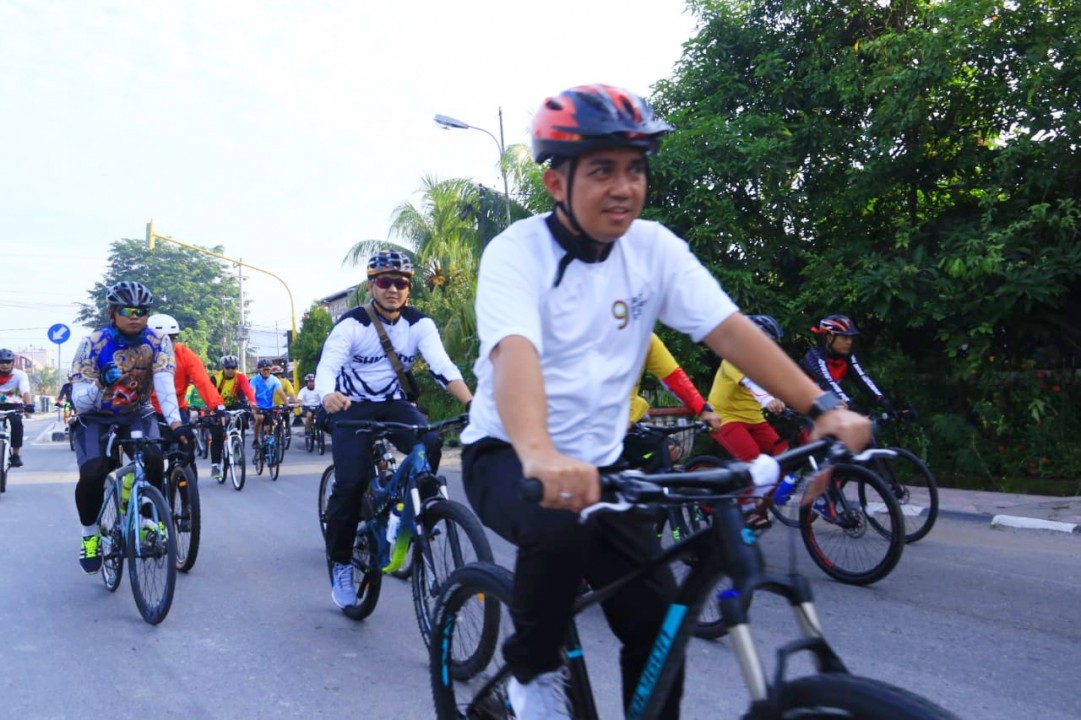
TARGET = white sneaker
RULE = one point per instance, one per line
(342, 590)
(542, 698)
(215, 471)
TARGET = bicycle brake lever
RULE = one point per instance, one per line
(621, 506)
(873, 453)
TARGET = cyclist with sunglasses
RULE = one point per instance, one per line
(357, 381)
(266, 387)
(114, 372)
(14, 395)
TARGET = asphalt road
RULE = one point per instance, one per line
(985, 622)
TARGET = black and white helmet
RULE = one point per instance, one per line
(129, 293)
(229, 362)
(390, 261)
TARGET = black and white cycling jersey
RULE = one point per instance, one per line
(354, 362)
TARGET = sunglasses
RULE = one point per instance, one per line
(385, 283)
(130, 312)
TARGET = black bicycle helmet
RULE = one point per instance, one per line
(129, 293)
(594, 117)
(390, 261)
(7, 356)
(768, 325)
(230, 362)
(836, 325)
(264, 363)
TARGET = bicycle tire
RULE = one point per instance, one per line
(322, 442)
(280, 444)
(4, 460)
(690, 519)
(239, 466)
(367, 572)
(111, 531)
(273, 462)
(309, 442)
(152, 563)
(914, 486)
(187, 518)
(472, 593)
(838, 545)
(258, 457)
(71, 436)
(326, 482)
(203, 440)
(452, 537)
(837, 695)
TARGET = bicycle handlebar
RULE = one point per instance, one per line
(385, 427)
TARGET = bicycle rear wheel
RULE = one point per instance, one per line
(855, 531)
(309, 441)
(273, 461)
(464, 627)
(322, 442)
(367, 572)
(914, 486)
(3, 465)
(448, 536)
(258, 457)
(326, 484)
(183, 499)
(238, 467)
(152, 557)
(837, 695)
(110, 527)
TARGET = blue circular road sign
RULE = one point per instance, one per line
(59, 333)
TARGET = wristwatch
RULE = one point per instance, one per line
(823, 404)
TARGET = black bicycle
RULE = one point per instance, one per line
(316, 438)
(181, 490)
(723, 548)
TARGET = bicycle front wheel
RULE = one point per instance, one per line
(152, 557)
(854, 531)
(112, 541)
(447, 537)
(464, 627)
(367, 572)
(914, 486)
(187, 520)
(832, 696)
(273, 461)
(238, 466)
(258, 456)
(322, 442)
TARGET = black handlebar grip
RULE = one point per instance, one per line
(532, 490)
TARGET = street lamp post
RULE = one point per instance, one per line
(449, 123)
(151, 236)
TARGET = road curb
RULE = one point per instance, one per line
(1027, 523)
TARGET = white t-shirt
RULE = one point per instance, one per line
(13, 386)
(591, 331)
(309, 398)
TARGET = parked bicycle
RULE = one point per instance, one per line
(135, 523)
(232, 452)
(180, 487)
(5, 446)
(444, 534)
(724, 547)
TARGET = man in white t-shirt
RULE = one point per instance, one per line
(566, 303)
(309, 399)
(14, 395)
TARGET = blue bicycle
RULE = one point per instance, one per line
(440, 534)
(135, 522)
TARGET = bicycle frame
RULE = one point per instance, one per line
(129, 528)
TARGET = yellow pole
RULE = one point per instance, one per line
(151, 236)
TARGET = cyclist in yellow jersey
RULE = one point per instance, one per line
(235, 390)
(744, 432)
(287, 395)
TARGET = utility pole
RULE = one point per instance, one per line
(242, 329)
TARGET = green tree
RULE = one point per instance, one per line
(315, 326)
(196, 289)
(912, 164)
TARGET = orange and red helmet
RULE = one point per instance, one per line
(836, 325)
(594, 117)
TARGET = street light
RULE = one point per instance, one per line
(152, 237)
(449, 123)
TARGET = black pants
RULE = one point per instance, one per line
(16, 423)
(94, 466)
(352, 453)
(555, 552)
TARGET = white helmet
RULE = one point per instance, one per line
(163, 324)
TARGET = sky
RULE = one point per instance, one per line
(283, 131)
